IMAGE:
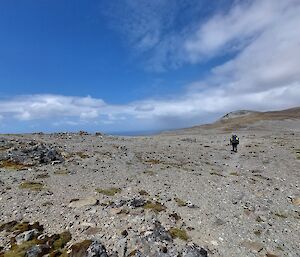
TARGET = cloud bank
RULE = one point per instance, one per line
(263, 74)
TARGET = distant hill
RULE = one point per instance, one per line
(237, 114)
(243, 118)
(247, 119)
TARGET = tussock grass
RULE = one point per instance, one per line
(180, 202)
(153, 161)
(179, 233)
(155, 206)
(109, 191)
(82, 155)
(34, 186)
(12, 165)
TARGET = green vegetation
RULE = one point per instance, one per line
(80, 248)
(12, 165)
(180, 202)
(153, 161)
(61, 172)
(42, 175)
(280, 215)
(143, 192)
(257, 232)
(53, 245)
(61, 240)
(82, 155)
(109, 191)
(178, 233)
(20, 250)
(149, 172)
(154, 206)
(34, 186)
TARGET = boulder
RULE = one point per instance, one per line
(26, 236)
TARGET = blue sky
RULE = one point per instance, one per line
(134, 65)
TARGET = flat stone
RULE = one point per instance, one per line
(254, 246)
(296, 201)
(26, 236)
(84, 202)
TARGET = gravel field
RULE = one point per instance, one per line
(176, 194)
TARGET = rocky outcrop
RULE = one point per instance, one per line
(18, 154)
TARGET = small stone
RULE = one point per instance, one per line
(194, 251)
(296, 201)
(124, 233)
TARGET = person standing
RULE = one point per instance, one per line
(234, 141)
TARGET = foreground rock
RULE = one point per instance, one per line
(34, 243)
(19, 154)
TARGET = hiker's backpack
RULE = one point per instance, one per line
(235, 140)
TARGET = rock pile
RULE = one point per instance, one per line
(23, 154)
(29, 240)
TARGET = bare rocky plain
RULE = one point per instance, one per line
(179, 193)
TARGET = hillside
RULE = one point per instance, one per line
(235, 122)
(184, 194)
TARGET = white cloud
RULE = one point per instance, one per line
(264, 74)
(233, 30)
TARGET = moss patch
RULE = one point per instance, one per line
(53, 245)
(12, 165)
(178, 233)
(82, 155)
(42, 175)
(143, 192)
(80, 248)
(155, 206)
(61, 172)
(20, 250)
(280, 215)
(153, 161)
(180, 202)
(109, 191)
(59, 241)
(35, 186)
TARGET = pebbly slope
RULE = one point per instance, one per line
(179, 194)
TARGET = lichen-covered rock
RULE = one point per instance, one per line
(96, 249)
(37, 251)
(23, 154)
(26, 236)
(137, 202)
(159, 233)
(88, 248)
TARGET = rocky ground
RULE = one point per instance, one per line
(175, 194)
